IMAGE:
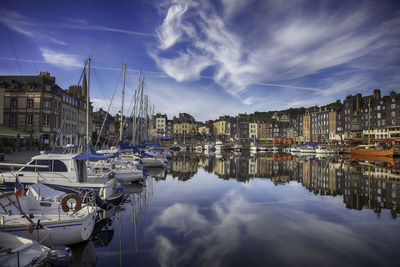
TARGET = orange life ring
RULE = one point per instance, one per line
(67, 197)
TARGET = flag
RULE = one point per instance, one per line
(19, 188)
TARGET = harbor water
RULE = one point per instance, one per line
(254, 210)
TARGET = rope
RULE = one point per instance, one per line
(109, 106)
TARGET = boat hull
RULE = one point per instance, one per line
(373, 152)
(61, 232)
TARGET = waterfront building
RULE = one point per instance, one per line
(108, 134)
(184, 125)
(170, 128)
(307, 127)
(252, 130)
(262, 130)
(161, 125)
(32, 104)
(38, 106)
(332, 126)
(73, 110)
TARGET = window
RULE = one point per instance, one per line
(46, 104)
(46, 120)
(378, 108)
(29, 103)
(29, 120)
(393, 113)
(47, 87)
(59, 166)
(13, 103)
(43, 162)
(13, 119)
(379, 115)
(393, 106)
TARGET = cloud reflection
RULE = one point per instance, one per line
(233, 230)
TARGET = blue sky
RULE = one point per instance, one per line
(209, 58)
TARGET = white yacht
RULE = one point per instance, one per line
(148, 161)
(307, 150)
(325, 150)
(63, 171)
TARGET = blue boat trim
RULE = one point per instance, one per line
(66, 225)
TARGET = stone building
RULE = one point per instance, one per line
(32, 104)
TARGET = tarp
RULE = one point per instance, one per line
(149, 144)
(92, 157)
(12, 133)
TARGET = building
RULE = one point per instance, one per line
(38, 106)
(184, 126)
(253, 130)
(32, 104)
(161, 124)
(307, 127)
(104, 128)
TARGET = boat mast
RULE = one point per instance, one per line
(122, 105)
(88, 105)
(369, 121)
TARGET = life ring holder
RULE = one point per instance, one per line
(64, 202)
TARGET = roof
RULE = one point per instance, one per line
(11, 133)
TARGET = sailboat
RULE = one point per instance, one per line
(369, 149)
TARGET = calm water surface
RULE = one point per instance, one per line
(241, 210)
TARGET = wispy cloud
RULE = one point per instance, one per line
(80, 24)
(27, 26)
(60, 59)
(278, 43)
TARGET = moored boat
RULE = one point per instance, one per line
(372, 151)
(19, 251)
(54, 217)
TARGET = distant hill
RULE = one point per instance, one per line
(292, 112)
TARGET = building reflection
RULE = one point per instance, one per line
(363, 183)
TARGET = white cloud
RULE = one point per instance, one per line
(284, 44)
(232, 220)
(60, 59)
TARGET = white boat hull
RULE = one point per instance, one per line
(61, 231)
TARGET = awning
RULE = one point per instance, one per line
(11, 133)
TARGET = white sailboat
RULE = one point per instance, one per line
(52, 218)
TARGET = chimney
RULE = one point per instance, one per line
(377, 93)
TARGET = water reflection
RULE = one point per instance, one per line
(372, 183)
(247, 210)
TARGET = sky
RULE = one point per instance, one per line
(208, 57)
